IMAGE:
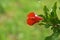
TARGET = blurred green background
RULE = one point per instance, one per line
(13, 15)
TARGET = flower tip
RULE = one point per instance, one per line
(41, 18)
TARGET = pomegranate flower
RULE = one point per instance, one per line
(32, 18)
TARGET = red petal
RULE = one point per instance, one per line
(30, 21)
(38, 18)
(31, 14)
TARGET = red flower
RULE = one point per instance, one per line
(32, 18)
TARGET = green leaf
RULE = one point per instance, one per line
(53, 15)
(54, 8)
(46, 13)
(47, 25)
(54, 36)
(46, 10)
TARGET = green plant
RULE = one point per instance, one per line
(51, 20)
